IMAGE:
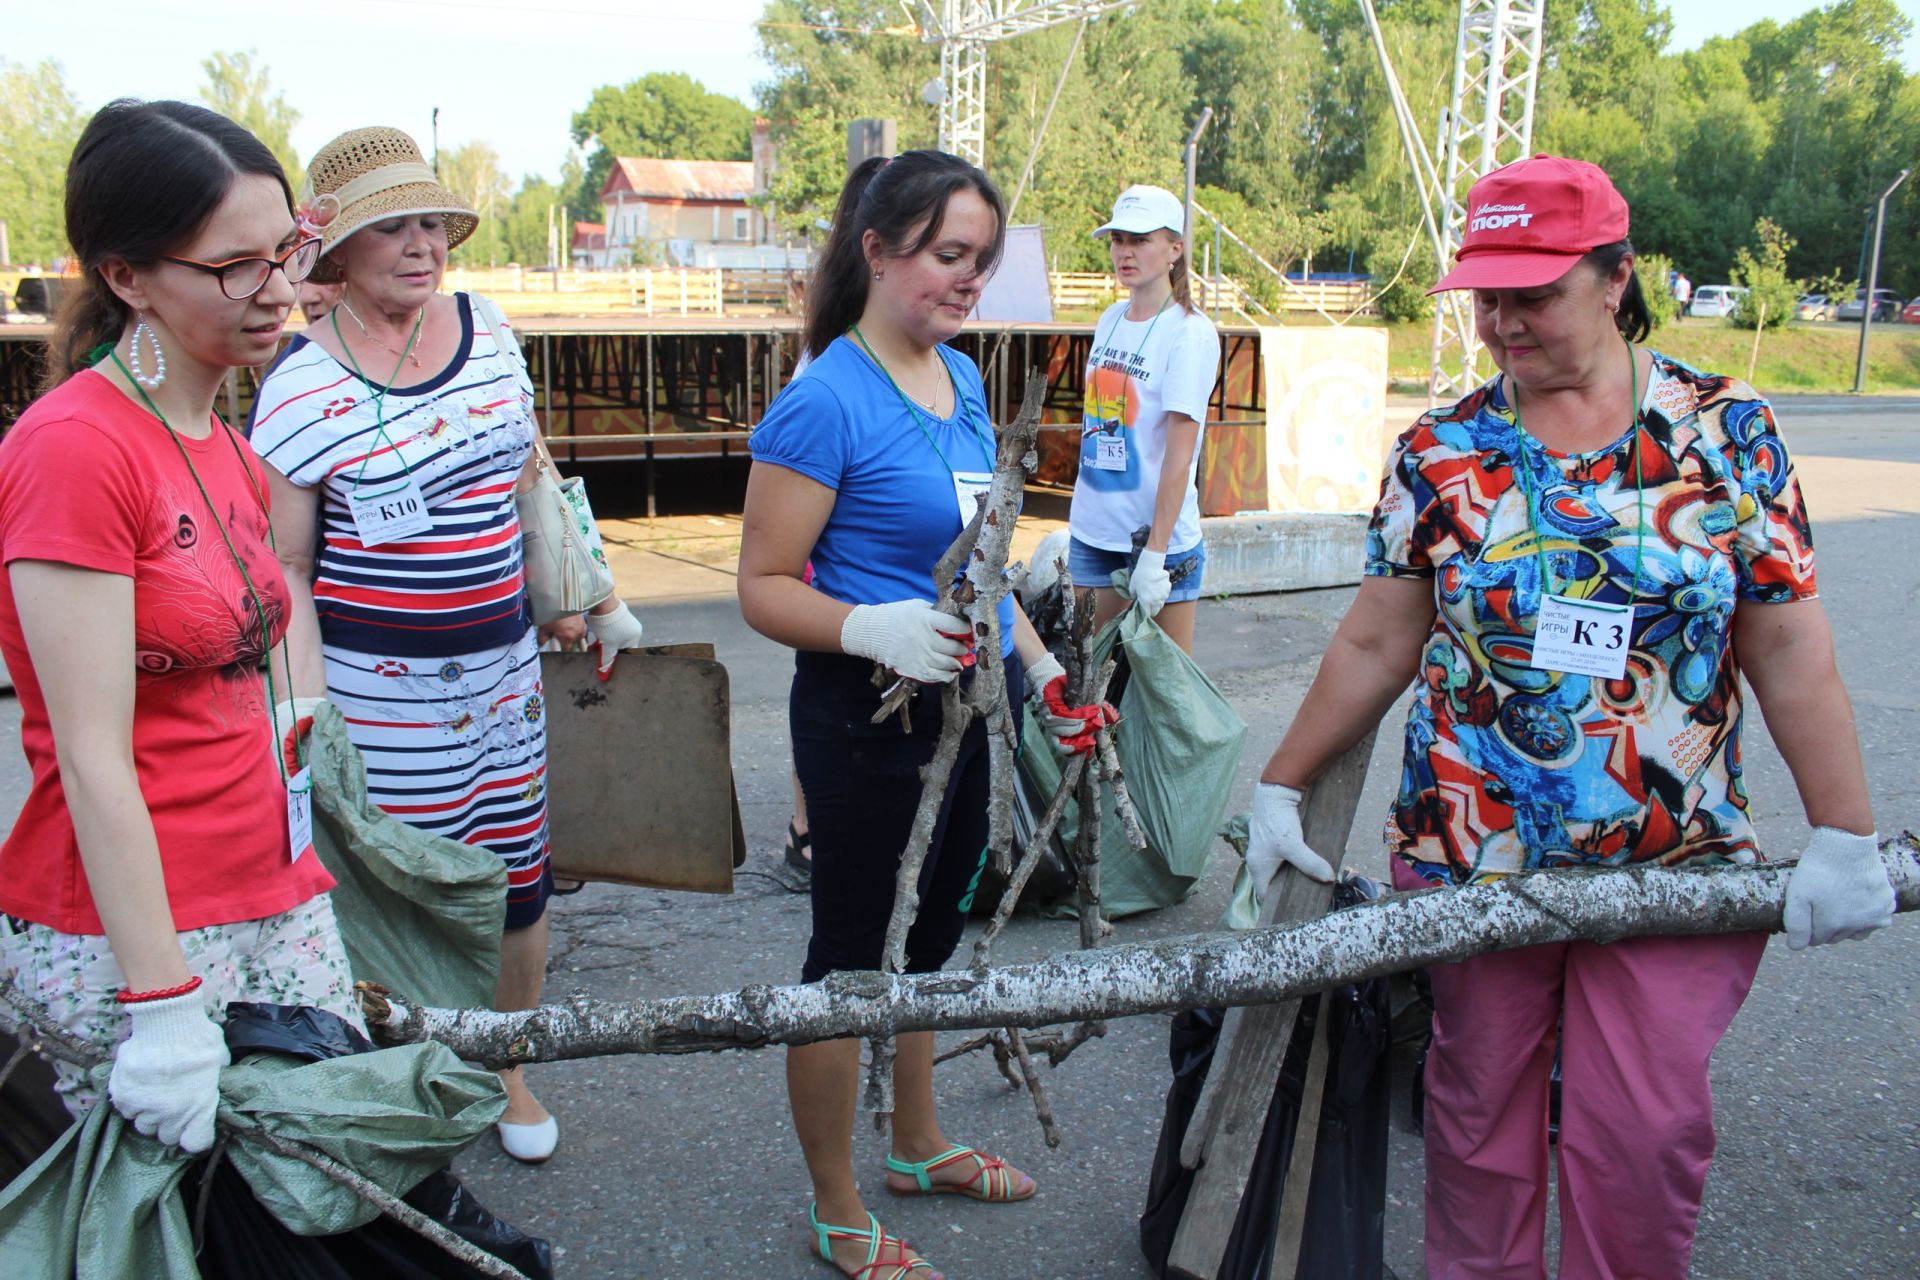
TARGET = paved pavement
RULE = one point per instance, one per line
(686, 1166)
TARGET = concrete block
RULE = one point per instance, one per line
(1283, 552)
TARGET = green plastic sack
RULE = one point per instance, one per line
(1243, 904)
(104, 1200)
(1179, 744)
(418, 913)
(393, 1117)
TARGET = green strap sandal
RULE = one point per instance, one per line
(992, 1180)
(897, 1254)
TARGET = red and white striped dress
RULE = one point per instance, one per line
(430, 649)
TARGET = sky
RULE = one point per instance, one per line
(507, 72)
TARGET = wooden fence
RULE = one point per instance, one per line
(649, 291)
(685, 291)
(1092, 290)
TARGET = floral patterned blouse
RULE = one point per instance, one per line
(1508, 767)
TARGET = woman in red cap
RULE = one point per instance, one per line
(1569, 561)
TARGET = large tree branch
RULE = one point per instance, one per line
(1210, 970)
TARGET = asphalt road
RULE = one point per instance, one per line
(686, 1167)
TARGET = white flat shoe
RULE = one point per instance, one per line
(529, 1143)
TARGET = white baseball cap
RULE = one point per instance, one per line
(1141, 209)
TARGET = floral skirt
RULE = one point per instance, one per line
(291, 958)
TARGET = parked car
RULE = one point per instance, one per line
(1715, 300)
(1886, 304)
(1814, 306)
(1910, 314)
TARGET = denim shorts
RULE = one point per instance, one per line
(1093, 567)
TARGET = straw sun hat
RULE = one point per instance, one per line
(370, 175)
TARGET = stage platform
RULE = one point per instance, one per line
(620, 397)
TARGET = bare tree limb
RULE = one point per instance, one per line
(1122, 798)
(1258, 966)
(1036, 844)
(1042, 1107)
(983, 546)
(389, 1205)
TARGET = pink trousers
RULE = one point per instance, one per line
(1636, 1022)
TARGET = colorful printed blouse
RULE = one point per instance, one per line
(1509, 768)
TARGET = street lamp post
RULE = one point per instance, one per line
(1873, 280)
(436, 142)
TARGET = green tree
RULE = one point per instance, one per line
(40, 120)
(473, 173)
(242, 92)
(824, 80)
(1802, 123)
(1652, 270)
(525, 224)
(664, 113)
(1771, 292)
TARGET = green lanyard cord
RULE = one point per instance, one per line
(1126, 380)
(1639, 488)
(259, 609)
(379, 392)
(960, 402)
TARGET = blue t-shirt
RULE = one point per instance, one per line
(895, 512)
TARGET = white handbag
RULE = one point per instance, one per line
(566, 569)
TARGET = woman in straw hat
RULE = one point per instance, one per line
(161, 865)
(1579, 598)
(399, 430)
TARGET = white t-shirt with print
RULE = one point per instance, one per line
(1139, 372)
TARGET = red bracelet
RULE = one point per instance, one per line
(165, 993)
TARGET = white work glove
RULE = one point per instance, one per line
(908, 636)
(1838, 891)
(613, 631)
(1149, 584)
(1273, 837)
(288, 728)
(166, 1076)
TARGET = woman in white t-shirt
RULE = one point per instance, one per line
(1150, 375)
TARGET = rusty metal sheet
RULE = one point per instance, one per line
(640, 770)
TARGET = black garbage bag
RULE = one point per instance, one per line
(1347, 1195)
(243, 1241)
(32, 1117)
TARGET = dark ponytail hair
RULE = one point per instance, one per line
(1633, 319)
(143, 179)
(889, 198)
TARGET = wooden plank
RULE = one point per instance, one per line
(1232, 1112)
(640, 770)
(1292, 1228)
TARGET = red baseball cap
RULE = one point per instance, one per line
(1530, 221)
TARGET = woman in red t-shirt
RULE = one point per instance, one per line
(162, 864)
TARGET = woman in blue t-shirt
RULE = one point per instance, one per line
(865, 465)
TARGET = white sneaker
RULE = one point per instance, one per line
(529, 1143)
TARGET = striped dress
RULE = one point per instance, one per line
(430, 649)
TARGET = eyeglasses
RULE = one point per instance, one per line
(241, 278)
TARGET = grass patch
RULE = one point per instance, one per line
(1799, 358)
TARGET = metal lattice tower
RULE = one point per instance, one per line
(1489, 123)
(964, 29)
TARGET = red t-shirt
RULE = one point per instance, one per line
(90, 479)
